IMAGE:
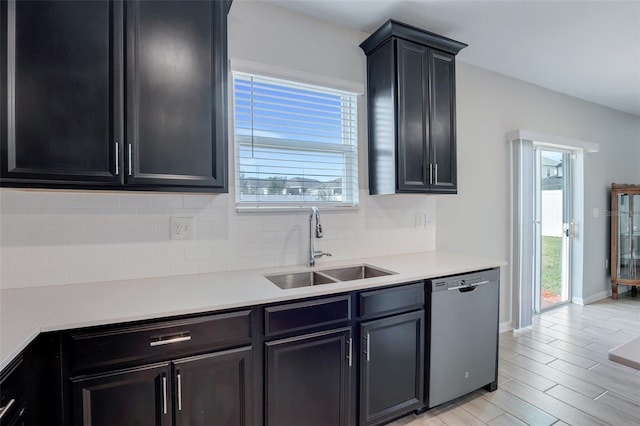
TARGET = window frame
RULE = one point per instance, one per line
(297, 79)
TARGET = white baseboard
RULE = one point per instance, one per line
(593, 298)
(505, 326)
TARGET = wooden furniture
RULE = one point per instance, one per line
(114, 95)
(625, 237)
(411, 110)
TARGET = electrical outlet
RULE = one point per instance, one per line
(181, 228)
(419, 220)
(428, 221)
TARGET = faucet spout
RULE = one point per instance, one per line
(315, 232)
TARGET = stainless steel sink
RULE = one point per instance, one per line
(359, 272)
(299, 279)
(326, 276)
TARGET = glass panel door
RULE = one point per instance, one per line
(629, 236)
(554, 228)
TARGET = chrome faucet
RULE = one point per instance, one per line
(315, 213)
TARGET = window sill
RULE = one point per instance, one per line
(254, 208)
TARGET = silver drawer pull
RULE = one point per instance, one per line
(4, 410)
(168, 340)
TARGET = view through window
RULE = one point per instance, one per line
(295, 144)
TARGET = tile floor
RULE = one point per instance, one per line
(557, 373)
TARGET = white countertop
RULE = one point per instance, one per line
(24, 313)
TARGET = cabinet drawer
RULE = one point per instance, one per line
(390, 300)
(158, 341)
(306, 315)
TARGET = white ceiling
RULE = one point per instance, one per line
(586, 49)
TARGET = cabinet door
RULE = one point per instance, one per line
(391, 367)
(308, 379)
(60, 118)
(176, 93)
(214, 389)
(139, 397)
(413, 113)
(442, 135)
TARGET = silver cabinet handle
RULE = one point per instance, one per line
(164, 394)
(349, 354)
(163, 340)
(179, 377)
(4, 410)
(129, 159)
(430, 173)
(367, 338)
(436, 180)
(117, 158)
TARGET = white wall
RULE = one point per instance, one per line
(488, 106)
(49, 238)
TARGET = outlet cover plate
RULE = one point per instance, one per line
(181, 228)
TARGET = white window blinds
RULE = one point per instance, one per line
(295, 144)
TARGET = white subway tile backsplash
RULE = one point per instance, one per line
(184, 268)
(167, 201)
(51, 238)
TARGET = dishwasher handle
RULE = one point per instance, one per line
(466, 288)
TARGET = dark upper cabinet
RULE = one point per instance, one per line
(176, 93)
(117, 95)
(411, 110)
(61, 110)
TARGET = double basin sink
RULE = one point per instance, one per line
(327, 276)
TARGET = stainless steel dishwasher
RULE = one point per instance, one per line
(463, 343)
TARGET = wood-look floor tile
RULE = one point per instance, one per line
(482, 409)
(526, 376)
(506, 420)
(526, 412)
(627, 386)
(595, 408)
(526, 351)
(620, 403)
(553, 406)
(586, 388)
(557, 353)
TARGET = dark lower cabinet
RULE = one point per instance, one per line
(12, 394)
(214, 389)
(134, 397)
(391, 367)
(202, 390)
(308, 379)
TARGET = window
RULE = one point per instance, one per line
(295, 144)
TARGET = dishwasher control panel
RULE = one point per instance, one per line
(462, 281)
